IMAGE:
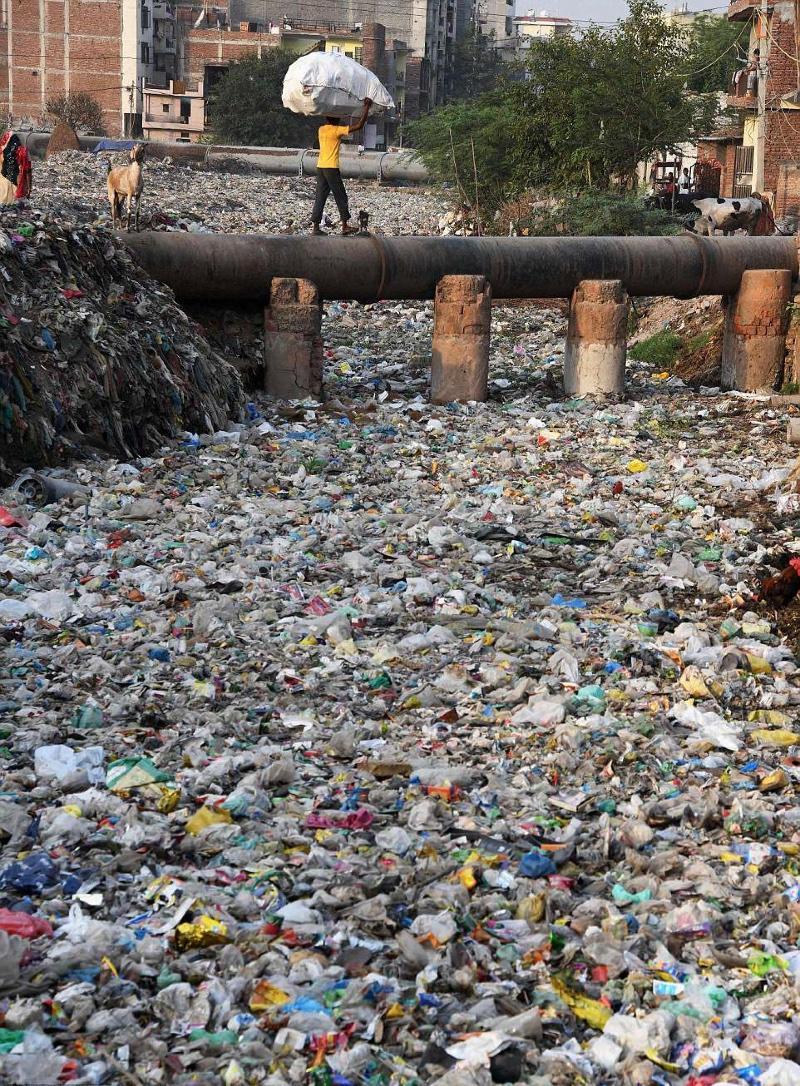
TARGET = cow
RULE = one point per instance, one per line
(750, 213)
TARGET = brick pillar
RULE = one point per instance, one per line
(461, 329)
(597, 339)
(292, 340)
(754, 343)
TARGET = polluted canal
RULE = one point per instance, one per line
(373, 742)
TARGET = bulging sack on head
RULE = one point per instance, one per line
(332, 85)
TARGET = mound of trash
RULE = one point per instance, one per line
(95, 355)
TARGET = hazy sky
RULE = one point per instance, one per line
(603, 10)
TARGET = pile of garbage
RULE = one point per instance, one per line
(95, 356)
(181, 197)
(375, 743)
(384, 743)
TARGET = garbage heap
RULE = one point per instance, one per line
(385, 743)
(95, 355)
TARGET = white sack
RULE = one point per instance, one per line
(332, 85)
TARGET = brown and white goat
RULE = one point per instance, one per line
(126, 183)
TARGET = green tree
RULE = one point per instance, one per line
(593, 106)
(445, 139)
(476, 65)
(246, 108)
(712, 52)
(581, 112)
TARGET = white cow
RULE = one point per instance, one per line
(730, 215)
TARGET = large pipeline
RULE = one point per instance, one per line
(388, 166)
(222, 268)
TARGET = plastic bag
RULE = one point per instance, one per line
(332, 85)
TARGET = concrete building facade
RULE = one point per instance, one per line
(760, 150)
(174, 114)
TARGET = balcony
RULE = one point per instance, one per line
(744, 91)
(163, 45)
(744, 9)
(162, 10)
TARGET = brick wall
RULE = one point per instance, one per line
(787, 192)
(219, 48)
(64, 45)
(724, 152)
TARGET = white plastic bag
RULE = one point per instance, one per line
(332, 85)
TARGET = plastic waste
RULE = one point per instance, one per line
(362, 733)
(331, 85)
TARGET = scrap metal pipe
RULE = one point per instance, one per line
(224, 268)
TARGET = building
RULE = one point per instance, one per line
(174, 114)
(428, 29)
(495, 18)
(531, 28)
(542, 25)
(681, 16)
(108, 48)
(207, 52)
(759, 150)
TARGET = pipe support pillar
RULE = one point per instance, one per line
(754, 342)
(597, 339)
(293, 340)
(461, 333)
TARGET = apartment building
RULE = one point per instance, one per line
(109, 48)
(759, 150)
(175, 113)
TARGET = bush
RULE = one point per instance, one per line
(662, 349)
(80, 111)
(444, 140)
(587, 214)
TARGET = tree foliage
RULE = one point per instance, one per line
(80, 111)
(477, 65)
(712, 53)
(445, 140)
(581, 112)
(245, 106)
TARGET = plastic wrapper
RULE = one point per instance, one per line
(332, 85)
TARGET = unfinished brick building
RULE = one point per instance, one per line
(760, 150)
(106, 47)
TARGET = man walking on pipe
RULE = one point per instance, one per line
(329, 178)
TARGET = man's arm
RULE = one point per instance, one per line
(362, 120)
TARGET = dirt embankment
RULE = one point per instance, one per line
(695, 328)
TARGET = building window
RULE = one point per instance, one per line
(358, 53)
(165, 109)
(145, 53)
(145, 19)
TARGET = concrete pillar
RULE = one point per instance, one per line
(292, 340)
(461, 331)
(597, 339)
(754, 343)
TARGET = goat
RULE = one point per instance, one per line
(126, 182)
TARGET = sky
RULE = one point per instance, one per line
(603, 10)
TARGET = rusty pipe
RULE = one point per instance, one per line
(224, 268)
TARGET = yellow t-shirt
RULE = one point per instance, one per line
(330, 138)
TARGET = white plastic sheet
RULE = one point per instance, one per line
(331, 84)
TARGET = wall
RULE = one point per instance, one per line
(724, 152)
(64, 45)
(220, 47)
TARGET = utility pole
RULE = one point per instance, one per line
(761, 116)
